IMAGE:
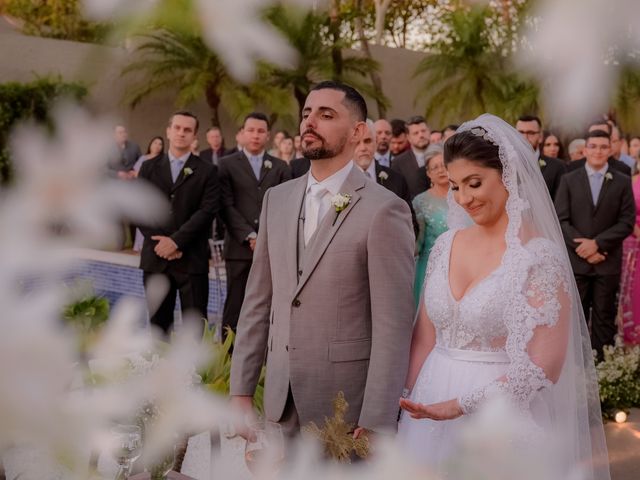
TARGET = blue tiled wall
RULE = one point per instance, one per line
(113, 281)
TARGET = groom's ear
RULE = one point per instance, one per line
(359, 132)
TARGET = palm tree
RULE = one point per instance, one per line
(169, 58)
(468, 76)
(627, 98)
(317, 56)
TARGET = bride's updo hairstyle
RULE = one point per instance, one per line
(471, 145)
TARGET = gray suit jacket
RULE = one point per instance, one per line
(341, 324)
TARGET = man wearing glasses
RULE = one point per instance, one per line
(552, 169)
(603, 125)
(597, 212)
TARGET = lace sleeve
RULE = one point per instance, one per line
(537, 317)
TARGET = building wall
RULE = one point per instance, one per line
(23, 58)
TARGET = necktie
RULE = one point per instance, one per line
(314, 210)
(367, 173)
(176, 166)
(256, 164)
(596, 186)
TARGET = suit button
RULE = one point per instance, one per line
(172, 196)
(287, 348)
(255, 221)
(299, 273)
(296, 303)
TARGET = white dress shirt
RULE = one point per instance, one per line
(318, 198)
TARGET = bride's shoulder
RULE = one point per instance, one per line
(544, 249)
(442, 243)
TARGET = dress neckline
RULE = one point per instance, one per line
(469, 290)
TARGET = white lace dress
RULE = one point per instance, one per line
(483, 342)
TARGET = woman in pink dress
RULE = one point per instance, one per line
(629, 307)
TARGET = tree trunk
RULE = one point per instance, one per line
(213, 101)
(376, 81)
(381, 12)
(334, 30)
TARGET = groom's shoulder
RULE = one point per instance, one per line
(284, 189)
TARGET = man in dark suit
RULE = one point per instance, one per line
(552, 169)
(613, 163)
(410, 164)
(245, 176)
(216, 148)
(299, 167)
(179, 250)
(126, 154)
(596, 210)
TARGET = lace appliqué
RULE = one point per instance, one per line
(535, 304)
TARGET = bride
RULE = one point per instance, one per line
(500, 313)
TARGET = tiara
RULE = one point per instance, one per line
(481, 132)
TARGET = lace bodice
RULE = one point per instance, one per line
(500, 313)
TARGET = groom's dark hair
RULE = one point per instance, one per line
(352, 98)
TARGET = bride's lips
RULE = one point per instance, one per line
(472, 210)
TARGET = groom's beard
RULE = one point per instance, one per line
(324, 151)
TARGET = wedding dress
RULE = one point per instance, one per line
(519, 333)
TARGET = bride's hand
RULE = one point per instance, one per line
(436, 411)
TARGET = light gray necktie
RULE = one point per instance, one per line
(366, 172)
(596, 186)
(176, 166)
(314, 210)
(256, 164)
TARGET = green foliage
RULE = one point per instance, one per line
(169, 58)
(319, 55)
(30, 101)
(216, 375)
(619, 379)
(87, 313)
(627, 98)
(56, 19)
(468, 76)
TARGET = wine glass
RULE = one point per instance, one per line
(264, 451)
(128, 447)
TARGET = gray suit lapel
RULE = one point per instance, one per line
(330, 225)
(292, 214)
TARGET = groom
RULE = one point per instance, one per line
(329, 296)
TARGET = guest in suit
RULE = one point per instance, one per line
(576, 149)
(410, 164)
(216, 146)
(364, 160)
(530, 127)
(399, 142)
(617, 143)
(179, 250)
(126, 154)
(245, 177)
(613, 163)
(383, 141)
(597, 212)
(431, 209)
(299, 167)
(329, 295)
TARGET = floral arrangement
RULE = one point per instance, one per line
(619, 379)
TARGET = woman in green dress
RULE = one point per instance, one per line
(431, 212)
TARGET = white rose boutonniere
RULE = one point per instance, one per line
(542, 163)
(340, 201)
(383, 176)
(187, 171)
(267, 164)
(608, 176)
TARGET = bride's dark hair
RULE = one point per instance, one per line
(473, 147)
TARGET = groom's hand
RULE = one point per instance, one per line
(243, 406)
(448, 410)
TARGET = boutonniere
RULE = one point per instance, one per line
(187, 171)
(383, 176)
(608, 176)
(542, 163)
(340, 201)
(267, 164)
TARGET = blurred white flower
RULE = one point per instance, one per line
(63, 196)
(570, 47)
